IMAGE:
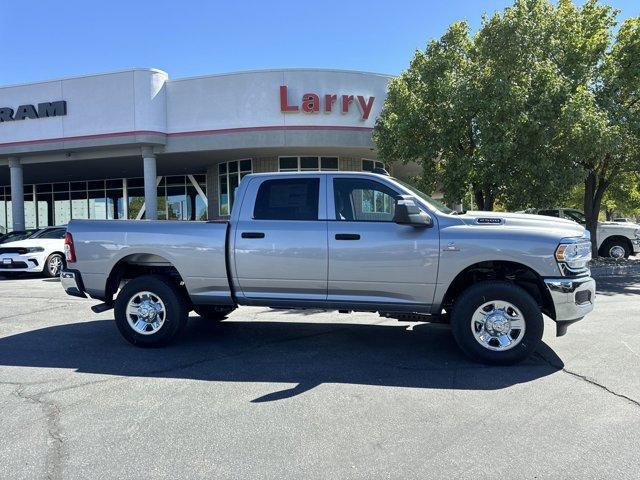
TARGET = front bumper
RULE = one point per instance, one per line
(72, 283)
(572, 298)
(15, 262)
(636, 245)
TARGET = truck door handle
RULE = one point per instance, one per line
(347, 236)
(252, 235)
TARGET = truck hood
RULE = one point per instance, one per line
(565, 228)
(620, 226)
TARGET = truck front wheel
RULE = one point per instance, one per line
(497, 323)
(615, 248)
(150, 311)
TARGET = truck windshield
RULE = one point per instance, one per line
(441, 207)
(576, 216)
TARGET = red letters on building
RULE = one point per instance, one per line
(284, 105)
(346, 100)
(328, 102)
(365, 107)
(311, 103)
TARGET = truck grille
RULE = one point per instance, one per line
(18, 250)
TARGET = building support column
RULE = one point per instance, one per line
(17, 193)
(150, 186)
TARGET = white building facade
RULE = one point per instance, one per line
(135, 144)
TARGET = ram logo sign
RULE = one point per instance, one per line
(43, 110)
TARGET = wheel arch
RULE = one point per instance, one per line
(612, 238)
(138, 264)
(514, 272)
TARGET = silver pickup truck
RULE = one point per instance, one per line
(345, 241)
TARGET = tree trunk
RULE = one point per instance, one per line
(489, 199)
(594, 189)
(478, 196)
(484, 198)
(609, 214)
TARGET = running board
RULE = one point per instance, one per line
(101, 307)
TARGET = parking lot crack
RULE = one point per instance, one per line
(55, 438)
(590, 381)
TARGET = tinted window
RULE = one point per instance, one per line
(287, 199)
(360, 200)
(56, 233)
(549, 213)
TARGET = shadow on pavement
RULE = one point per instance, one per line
(628, 284)
(305, 354)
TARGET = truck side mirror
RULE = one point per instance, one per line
(407, 212)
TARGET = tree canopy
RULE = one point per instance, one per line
(541, 98)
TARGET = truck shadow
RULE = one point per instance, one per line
(303, 354)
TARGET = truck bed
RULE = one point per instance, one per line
(196, 249)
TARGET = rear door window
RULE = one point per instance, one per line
(287, 199)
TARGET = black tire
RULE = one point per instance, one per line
(213, 313)
(176, 310)
(614, 243)
(477, 295)
(53, 265)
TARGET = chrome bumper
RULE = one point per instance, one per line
(572, 298)
(72, 283)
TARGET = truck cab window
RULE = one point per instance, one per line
(287, 199)
(360, 200)
(549, 213)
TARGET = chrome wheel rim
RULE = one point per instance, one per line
(498, 325)
(617, 251)
(55, 265)
(146, 313)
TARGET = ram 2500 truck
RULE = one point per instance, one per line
(346, 241)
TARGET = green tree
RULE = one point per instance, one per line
(600, 122)
(540, 99)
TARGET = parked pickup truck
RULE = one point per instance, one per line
(341, 241)
(615, 239)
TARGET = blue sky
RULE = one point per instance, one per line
(44, 39)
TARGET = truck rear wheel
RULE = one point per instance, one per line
(150, 311)
(497, 323)
(212, 312)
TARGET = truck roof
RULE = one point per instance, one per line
(326, 172)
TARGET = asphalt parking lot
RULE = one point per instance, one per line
(282, 394)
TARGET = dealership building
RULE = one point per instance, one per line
(136, 144)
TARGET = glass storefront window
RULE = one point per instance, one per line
(307, 164)
(177, 202)
(180, 197)
(115, 203)
(229, 176)
(136, 200)
(369, 165)
(79, 204)
(3, 213)
(62, 208)
(97, 204)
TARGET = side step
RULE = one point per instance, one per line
(414, 317)
(101, 307)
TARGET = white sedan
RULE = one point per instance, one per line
(42, 252)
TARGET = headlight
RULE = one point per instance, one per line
(576, 253)
(34, 249)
